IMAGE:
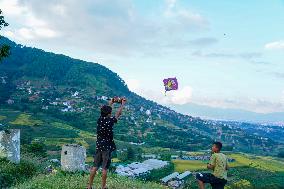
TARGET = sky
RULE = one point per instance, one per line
(225, 54)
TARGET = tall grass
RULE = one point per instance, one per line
(62, 180)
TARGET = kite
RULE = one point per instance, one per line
(170, 84)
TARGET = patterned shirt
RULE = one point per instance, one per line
(105, 140)
(220, 161)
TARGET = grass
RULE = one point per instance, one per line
(188, 165)
(2, 117)
(264, 163)
(26, 120)
(259, 162)
(79, 181)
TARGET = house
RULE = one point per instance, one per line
(30, 90)
(148, 112)
(184, 175)
(75, 94)
(174, 157)
(155, 163)
(170, 177)
(176, 180)
(105, 98)
(44, 107)
(10, 101)
(137, 144)
(67, 103)
(137, 169)
(149, 120)
(149, 156)
(3, 80)
(64, 110)
(175, 184)
(54, 103)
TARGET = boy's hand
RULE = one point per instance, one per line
(123, 102)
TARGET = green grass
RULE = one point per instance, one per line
(79, 181)
(264, 163)
(188, 165)
(2, 117)
(26, 120)
(259, 162)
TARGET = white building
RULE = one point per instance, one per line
(137, 169)
(170, 177)
(184, 175)
(148, 112)
(75, 94)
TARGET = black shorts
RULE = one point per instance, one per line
(215, 182)
(102, 158)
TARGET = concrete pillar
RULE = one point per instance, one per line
(73, 158)
(10, 145)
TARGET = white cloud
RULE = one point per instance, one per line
(107, 27)
(11, 8)
(244, 103)
(179, 97)
(9, 34)
(171, 3)
(276, 45)
(31, 27)
(183, 18)
(25, 33)
(133, 84)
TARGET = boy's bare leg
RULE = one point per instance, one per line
(93, 173)
(104, 178)
(201, 184)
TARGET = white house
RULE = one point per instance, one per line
(169, 177)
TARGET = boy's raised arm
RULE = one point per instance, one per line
(119, 111)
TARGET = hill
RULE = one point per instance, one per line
(55, 99)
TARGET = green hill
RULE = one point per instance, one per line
(56, 99)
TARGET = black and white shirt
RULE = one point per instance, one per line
(105, 140)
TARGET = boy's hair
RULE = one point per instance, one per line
(218, 145)
(106, 110)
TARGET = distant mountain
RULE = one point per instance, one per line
(56, 99)
(228, 114)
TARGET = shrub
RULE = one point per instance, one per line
(11, 173)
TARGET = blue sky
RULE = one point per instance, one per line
(225, 54)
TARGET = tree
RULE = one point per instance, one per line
(37, 148)
(5, 49)
(166, 157)
(281, 154)
(130, 153)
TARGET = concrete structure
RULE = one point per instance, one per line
(137, 169)
(73, 158)
(170, 177)
(176, 180)
(184, 175)
(10, 145)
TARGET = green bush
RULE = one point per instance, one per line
(11, 173)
